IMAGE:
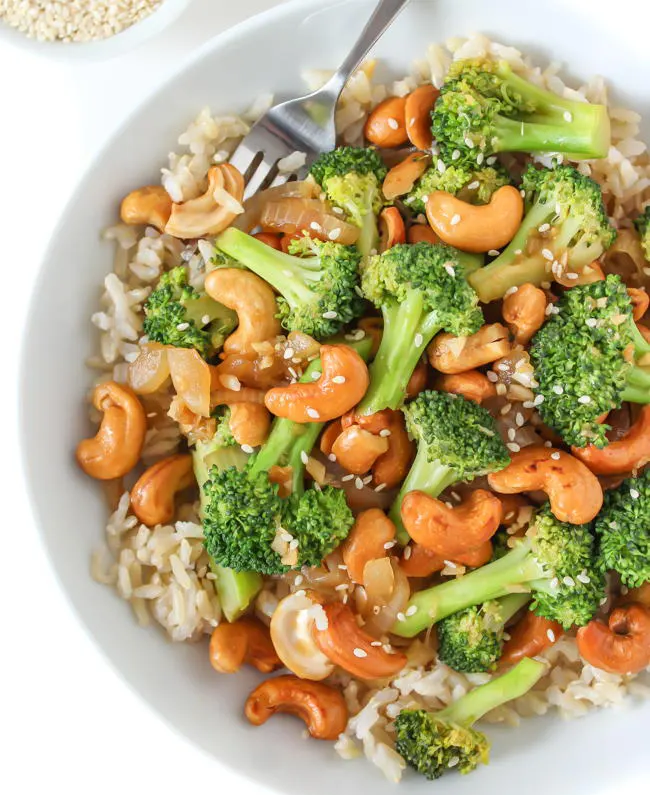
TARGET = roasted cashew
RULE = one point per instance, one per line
(476, 227)
(471, 384)
(645, 331)
(343, 383)
(622, 646)
(418, 380)
(451, 531)
(386, 124)
(116, 448)
(401, 178)
(391, 228)
(367, 540)
(623, 456)
(321, 707)
(530, 636)
(373, 423)
(253, 301)
(417, 112)
(348, 646)
(422, 233)
(450, 354)
(356, 450)
(640, 302)
(292, 627)
(525, 312)
(245, 641)
(640, 595)
(249, 423)
(151, 206)
(152, 497)
(573, 490)
(214, 211)
(391, 467)
(512, 508)
(329, 436)
(422, 562)
(271, 239)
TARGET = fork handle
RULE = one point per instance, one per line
(381, 18)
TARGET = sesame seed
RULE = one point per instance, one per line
(555, 456)
(624, 590)
(474, 185)
(511, 291)
(401, 617)
(520, 419)
(544, 228)
(545, 285)
(450, 269)
(367, 480)
(246, 448)
(375, 643)
(453, 761)
(468, 142)
(380, 487)
(528, 404)
(493, 252)
(491, 160)
(634, 494)
(338, 379)
(569, 581)
(384, 432)
(455, 220)
(548, 254)
(554, 583)
(312, 413)
(389, 544)
(334, 234)
(315, 226)
(584, 399)
(316, 375)
(558, 389)
(360, 653)
(304, 457)
(346, 478)
(419, 339)
(182, 326)
(288, 353)
(539, 399)
(342, 587)
(548, 444)
(330, 314)
(205, 320)
(408, 551)
(358, 483)
(441, 166)
(455, 496)
(591, 322)
(331, 457)
(455, 154)
(568, 116)
(480, 157)
(501, 389)
(583, 578)
(571, 275)
(492, 377)
(512, 433)
(299, 580)
(393, 124)
(513, 447)
(523, 194)
(550, 635)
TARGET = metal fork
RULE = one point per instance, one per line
(292, 126)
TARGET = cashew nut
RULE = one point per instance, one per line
(291, 632)
(151, 205)
(392, 467)
(401, 178)
(373, 423)
(640, 302)
(450, 354)
(343, 383)
(573, 490)
(386, 124)
(329, 436)
(245, 641)
(476, 228)
(356, 450)
(472, 385)
(253, 301)
(418, 380)
(249, 423)
(214, 211)
(451, 531)
(622, 646)
(116, 448)
(391, 228)
(152, 497)
(271, 239)
(623, 456)
(514, 509)
(367, 540)
(422, 562)
(348, 646)
(530, 636)
(640, 594)
(321, 707)
(422, 233)
(417, 112)
(525, 312)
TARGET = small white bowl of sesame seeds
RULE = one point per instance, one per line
(84, 29)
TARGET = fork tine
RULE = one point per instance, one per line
(259, 177)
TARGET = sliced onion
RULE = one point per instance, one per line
(625, 259)
(294, 215)
(150, 370)
(303, 345)
(253, 207)
(191, 378)
(387, 594)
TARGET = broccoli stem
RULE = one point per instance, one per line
(576, 137)
(369, 236)
(471, 707)
(398, 355)
(511, 605)
(637, 389)
(510, 574)
(431, 477)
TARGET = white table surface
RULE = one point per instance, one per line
(67, 721)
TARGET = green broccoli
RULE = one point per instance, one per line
(471, 641)
(471, 184)
(556, 562)
(421, 289)
(580, 358)
(457, 440)
(435, 742)
(623, 526)
(223, 435)
(565, 226)
(318, 291)
(642, 225)
(352, 180)
(485, 108)
(179, 315)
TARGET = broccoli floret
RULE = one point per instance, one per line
(580, 359)
(318, 291)
(623, 526)
(471, 641)
(474, 185)
(485, 108)
(642, 225)
(569, 206)
(179, 315)
(436, 742)
(457, 440)
(556, 562)
(223, 434)
(352, 179)
(245, 519)
(421, 289)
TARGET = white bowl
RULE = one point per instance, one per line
(268, 53)
(102, 49)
